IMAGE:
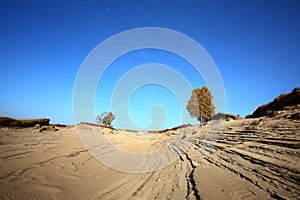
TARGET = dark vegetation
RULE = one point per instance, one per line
(226, 116)
(283, 102)
(22, 123)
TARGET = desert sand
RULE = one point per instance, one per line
(247, 159)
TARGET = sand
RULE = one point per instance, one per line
(248, 159)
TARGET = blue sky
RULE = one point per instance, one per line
(254, 44)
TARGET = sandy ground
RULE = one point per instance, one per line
(248, 159)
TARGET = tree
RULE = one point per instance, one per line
(201, 105)
(105, 119)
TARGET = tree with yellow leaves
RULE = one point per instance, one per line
(201, 105)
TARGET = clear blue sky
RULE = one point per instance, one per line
(255, 45)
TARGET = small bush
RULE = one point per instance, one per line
(105, 119)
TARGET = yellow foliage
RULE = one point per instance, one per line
(200, 104)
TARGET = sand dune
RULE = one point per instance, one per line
(248, 159)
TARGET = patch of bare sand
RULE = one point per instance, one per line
(131, 143)
(217, 183)
(57, 166)
(250, 159)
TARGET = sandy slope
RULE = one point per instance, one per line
(250, 159)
